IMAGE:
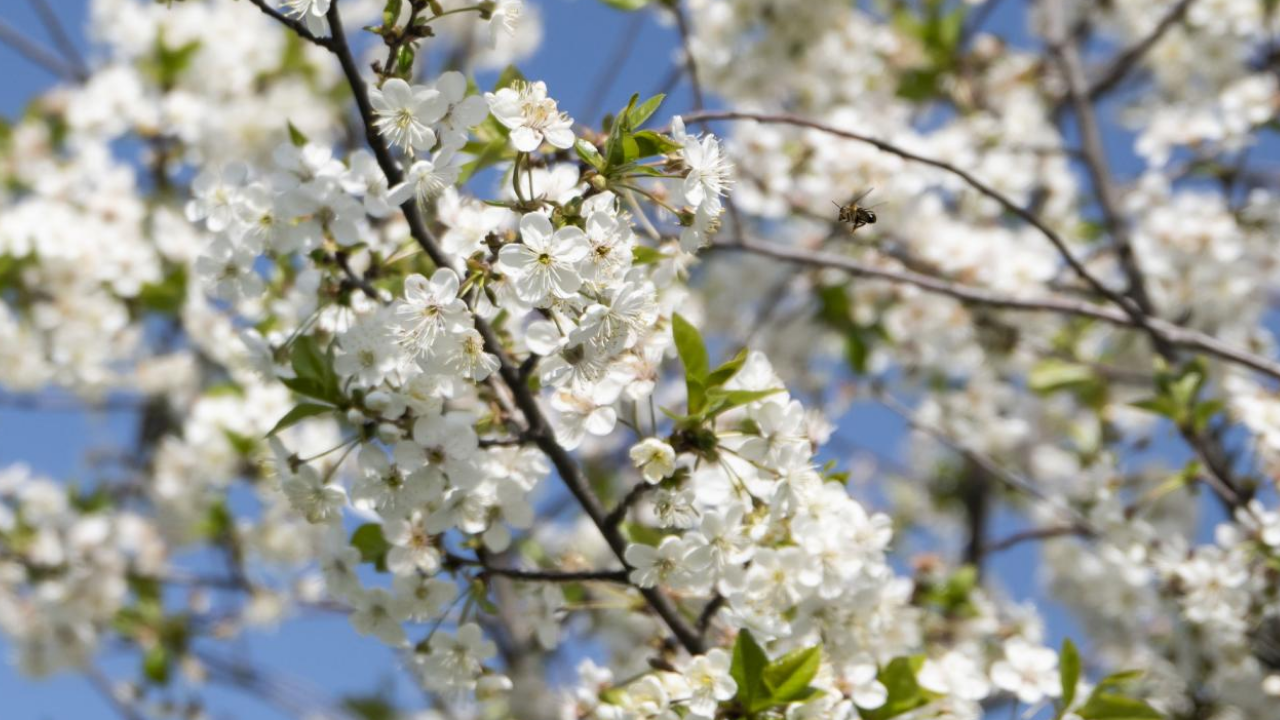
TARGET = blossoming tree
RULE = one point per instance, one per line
(503, 387)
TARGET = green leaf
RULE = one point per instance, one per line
(1069, 672)
(373, 547)
(626, 5)
(589, 154)
(1106, 706)
(510, 75)
(638, 115)
(645, 255)
(155, 664)
(315, 375)
(905, 694)
(404, 61)
(1117, 680)
(693, 354)
(167, 295)
(721, 401)
(725, 372)
(369, 707)
(747, 669)
(295, 135)
(391, 13)
(788, 677)
(1051, 375)
(1162, 405)
(650, 143)
(1205, 411)
(300, 412)
(488, 154)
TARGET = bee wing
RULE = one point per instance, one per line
(861, 195)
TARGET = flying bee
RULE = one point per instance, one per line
(851, 213)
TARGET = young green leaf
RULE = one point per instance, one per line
(905, 694)
(1068, 672)
(725, 372)
(626, 5)
(747, 669)
(589, 154)
(373, 547)
(299, 412)
(509, 76)
(295, 135)
(1106, 706)
(642, 112)
(788, 677)
(693, 353)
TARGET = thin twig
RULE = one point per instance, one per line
(999, 472)
(1176, 334)
(1095, 162)
(609, 74)
(61, 39)
(16, 39)
(1031, 535)
(102, 684)
(1128, 59)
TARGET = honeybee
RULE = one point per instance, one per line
(851, 213)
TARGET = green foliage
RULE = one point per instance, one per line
(951, 597)
(1178, 396)
(167, 64)
(1052, 375)
(626, 5)
(938, 30)
(836, 312)
(645, 255)
(373, 546)
(627, 144)
(693, 354)
(763, 685)
(905, 693)
(295, 135)
(1069, 672)
(300, 412)
(314, 372)
(369, 707)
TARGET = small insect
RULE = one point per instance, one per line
(851, 213)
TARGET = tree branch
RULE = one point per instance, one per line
(1128, 59)
(539, 429)
(16, 39)
(295, 25)
(1176, 334)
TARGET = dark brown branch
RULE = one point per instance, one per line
(619, 513)
(539, 429)
(295, 25)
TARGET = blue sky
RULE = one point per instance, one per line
(332, 658)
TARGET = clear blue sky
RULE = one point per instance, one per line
(324, 651)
